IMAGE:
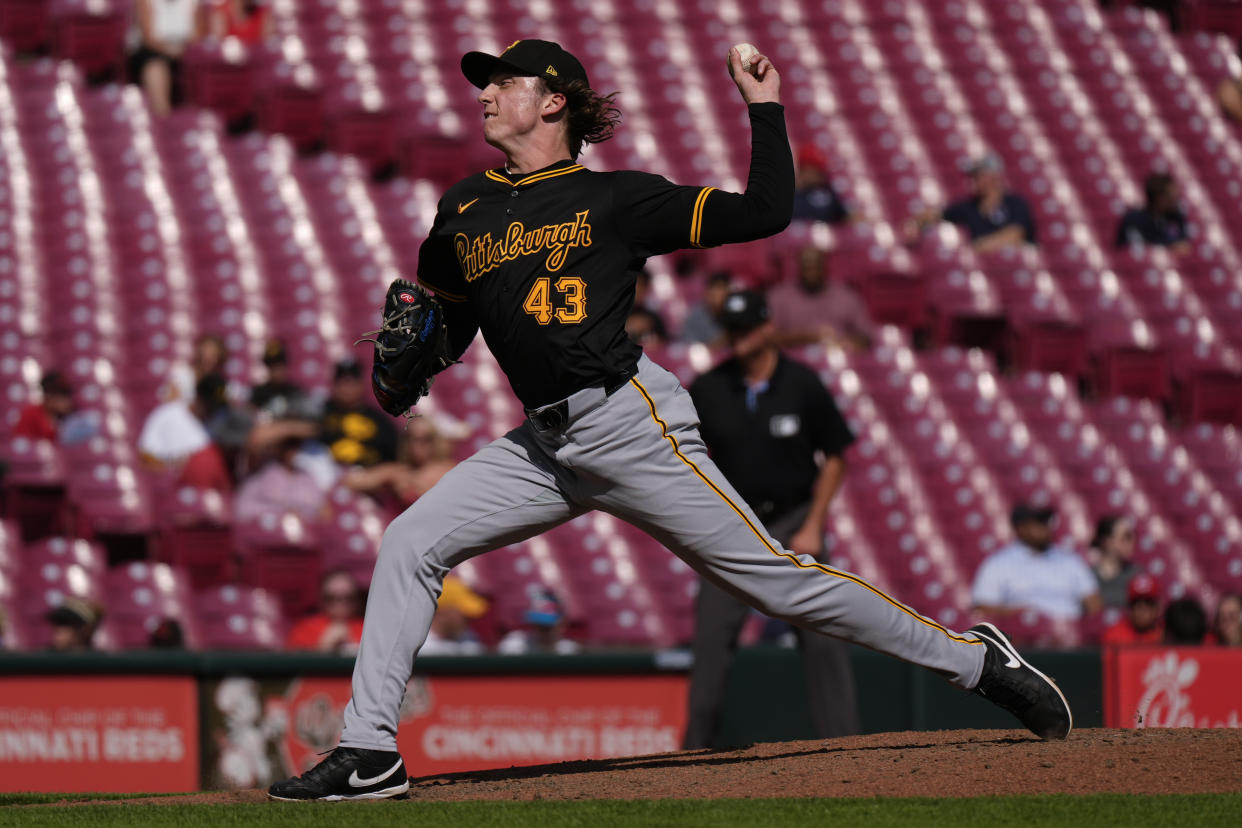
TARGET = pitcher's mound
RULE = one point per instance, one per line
(944, 763)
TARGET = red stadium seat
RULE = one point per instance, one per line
(219, 76)
(25, 24)
(278, 553)
(92, 35)
(1214, 396)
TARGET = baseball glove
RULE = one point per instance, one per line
(410, 348)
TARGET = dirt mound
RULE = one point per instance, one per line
(945, 763)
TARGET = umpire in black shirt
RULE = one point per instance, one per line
(765, 418)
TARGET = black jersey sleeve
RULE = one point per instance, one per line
(439, 272)
(658, 216)
(829, 431)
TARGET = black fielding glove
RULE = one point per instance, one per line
(410, 348)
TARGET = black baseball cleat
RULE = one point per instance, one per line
(348, 773)
(1008, 681)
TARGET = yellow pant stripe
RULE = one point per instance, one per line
(763, 539)
(696, 217)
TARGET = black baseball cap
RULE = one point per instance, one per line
(74, 612)
(538, 58)
(274, 353)
(347, 367)
(744, 310)
(1024, 512)
(54, 382)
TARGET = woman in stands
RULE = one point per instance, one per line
(165, 29)
(426, 456)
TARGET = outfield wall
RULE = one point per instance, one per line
(158, 721)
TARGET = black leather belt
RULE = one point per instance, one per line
(557, 415)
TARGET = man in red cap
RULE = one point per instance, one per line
(1141, 625)
(815, 199)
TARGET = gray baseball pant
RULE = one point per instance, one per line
(635, 454)
(718, 621)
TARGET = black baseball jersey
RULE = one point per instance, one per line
(545, 263)
(768, 452)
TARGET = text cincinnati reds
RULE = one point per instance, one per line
(481, 254)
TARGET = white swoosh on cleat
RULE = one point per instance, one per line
(356, 782)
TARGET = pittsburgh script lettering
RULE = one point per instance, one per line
(482, 254)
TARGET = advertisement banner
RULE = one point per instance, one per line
(98, 733)
(260, 731)
(1172, 687)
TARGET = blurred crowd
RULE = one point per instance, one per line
(278, 449)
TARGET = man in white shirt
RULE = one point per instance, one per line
(1033, 573)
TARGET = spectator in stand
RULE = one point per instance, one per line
(355, 433)
(544, 630)
(41, 420)
(210, 356)
(167, 635)
(450, 632)
(171, 432)
(250, 21)
(175, 440)
(279, 396)
(1160, 221)
(994, 216)
(645, 324)
(1229, 95)
(337, 627)
(1185, 623)
(165, 29)
(642, 288)
(426, 456)
(817, 308)
(703, 321)
(1111, 557)
(228, 425)
(1228, 626)
(815, 199)
(1141, 624)
(646, 328)
(281, 486)
(74, 623)
(1032, 572)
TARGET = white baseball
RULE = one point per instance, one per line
(746, 51)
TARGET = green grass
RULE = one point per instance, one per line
(40, 798)
(1099, 810)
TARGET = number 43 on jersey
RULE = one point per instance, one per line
(568, 306)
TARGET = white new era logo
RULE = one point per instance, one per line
(356, 782)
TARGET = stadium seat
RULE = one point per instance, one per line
(278, 553)
(90, 34)
(239, 618)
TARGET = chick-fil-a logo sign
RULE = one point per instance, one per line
(1173, 687)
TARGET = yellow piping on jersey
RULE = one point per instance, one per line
(696, 216)
(441, 293)
(532, 179)
(762, 539)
